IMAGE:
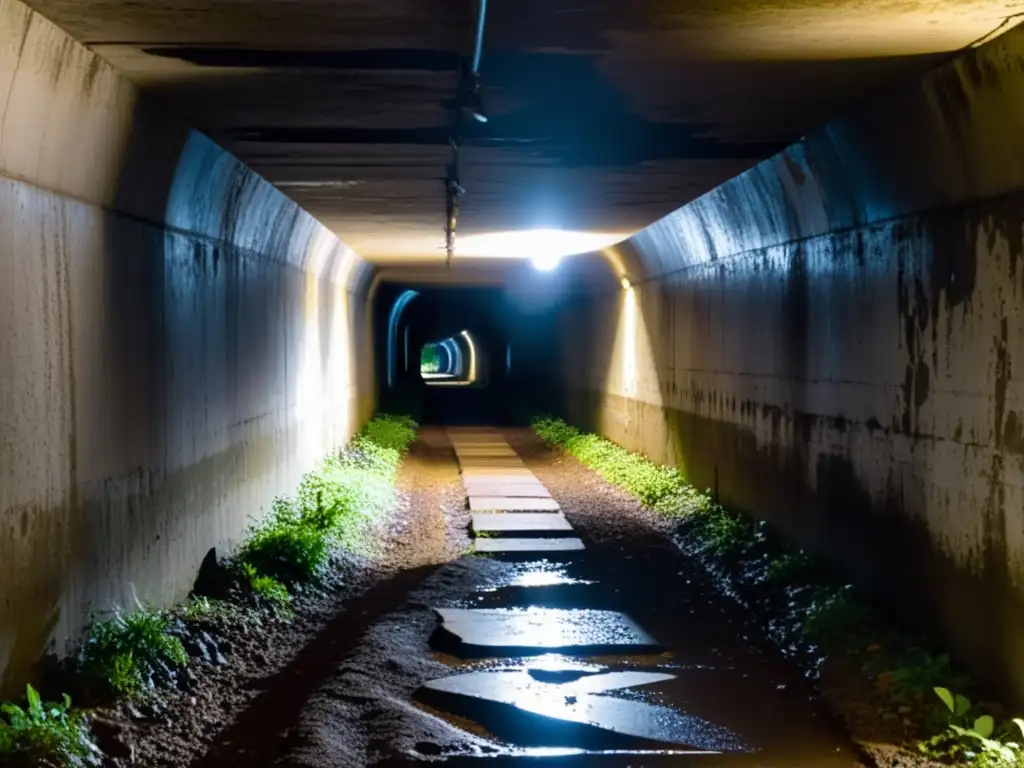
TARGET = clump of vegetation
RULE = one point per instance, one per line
(293, 544)
(652, 484)
(45, 734)
(916, 673)
(391, 431)
(267, 590)
(787, 566)
(131, 653)
(287, 546)
(200, 608)
(837, 620)
(723, 532)
(972, 737)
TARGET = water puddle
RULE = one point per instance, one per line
(481, 632)
(539, 573)
(581, 712)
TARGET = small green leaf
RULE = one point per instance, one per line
(963, 705)
(35, 704)
(984, 726)
(947, 698)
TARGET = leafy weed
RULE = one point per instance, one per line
(131, 652)
(45, 733)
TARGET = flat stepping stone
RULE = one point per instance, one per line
(498, 473)
(510, 490)
(509, 504)
(528, 546)
(520, 522)
(517, 707)
(535, 631)
(491, 461)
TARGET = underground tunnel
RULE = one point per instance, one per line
(628, 384)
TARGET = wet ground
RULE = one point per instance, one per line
(618, 650)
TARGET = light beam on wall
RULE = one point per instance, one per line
(396, 314)
(471, 374)
(629, 340)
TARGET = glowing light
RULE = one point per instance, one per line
(396, 313)
(625, 283)
(544, 247)
(452, 374)
(545, 263)
(471, 376)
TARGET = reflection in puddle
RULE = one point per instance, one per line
(545, 579)
(529, 631)
(578, 710)
(572, 752)
(541, 573)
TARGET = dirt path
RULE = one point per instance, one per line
(426, 530)
(366, 713)
(342, 685)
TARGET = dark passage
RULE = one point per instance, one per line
(760, 264)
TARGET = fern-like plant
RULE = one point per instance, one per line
(45, 733)
(129, 652)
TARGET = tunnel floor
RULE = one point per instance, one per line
(617, 650)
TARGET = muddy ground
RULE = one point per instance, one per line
(335, 686)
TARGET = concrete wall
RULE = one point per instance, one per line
(178, 342)
(831, 341)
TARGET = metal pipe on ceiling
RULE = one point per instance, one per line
(468, 98)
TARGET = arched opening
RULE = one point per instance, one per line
(394, 318)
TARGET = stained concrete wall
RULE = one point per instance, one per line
(178, 342)
(831, 339)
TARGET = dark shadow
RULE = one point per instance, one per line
(439, 313)
(407, 59)
(254, 737)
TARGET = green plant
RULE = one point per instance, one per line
(430, 358)
(197, 608)
(287, 546)
(784, 567)
(293, 544)
(267, 590)
(723, 532)
(916, 675)
(204, 609)
(45, 733)
(973, 737)
(129, 652)
(837, 620)
(391, 431)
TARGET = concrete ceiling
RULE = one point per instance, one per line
(605, 115)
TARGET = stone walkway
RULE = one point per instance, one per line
(574, 677)
(512, 510)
